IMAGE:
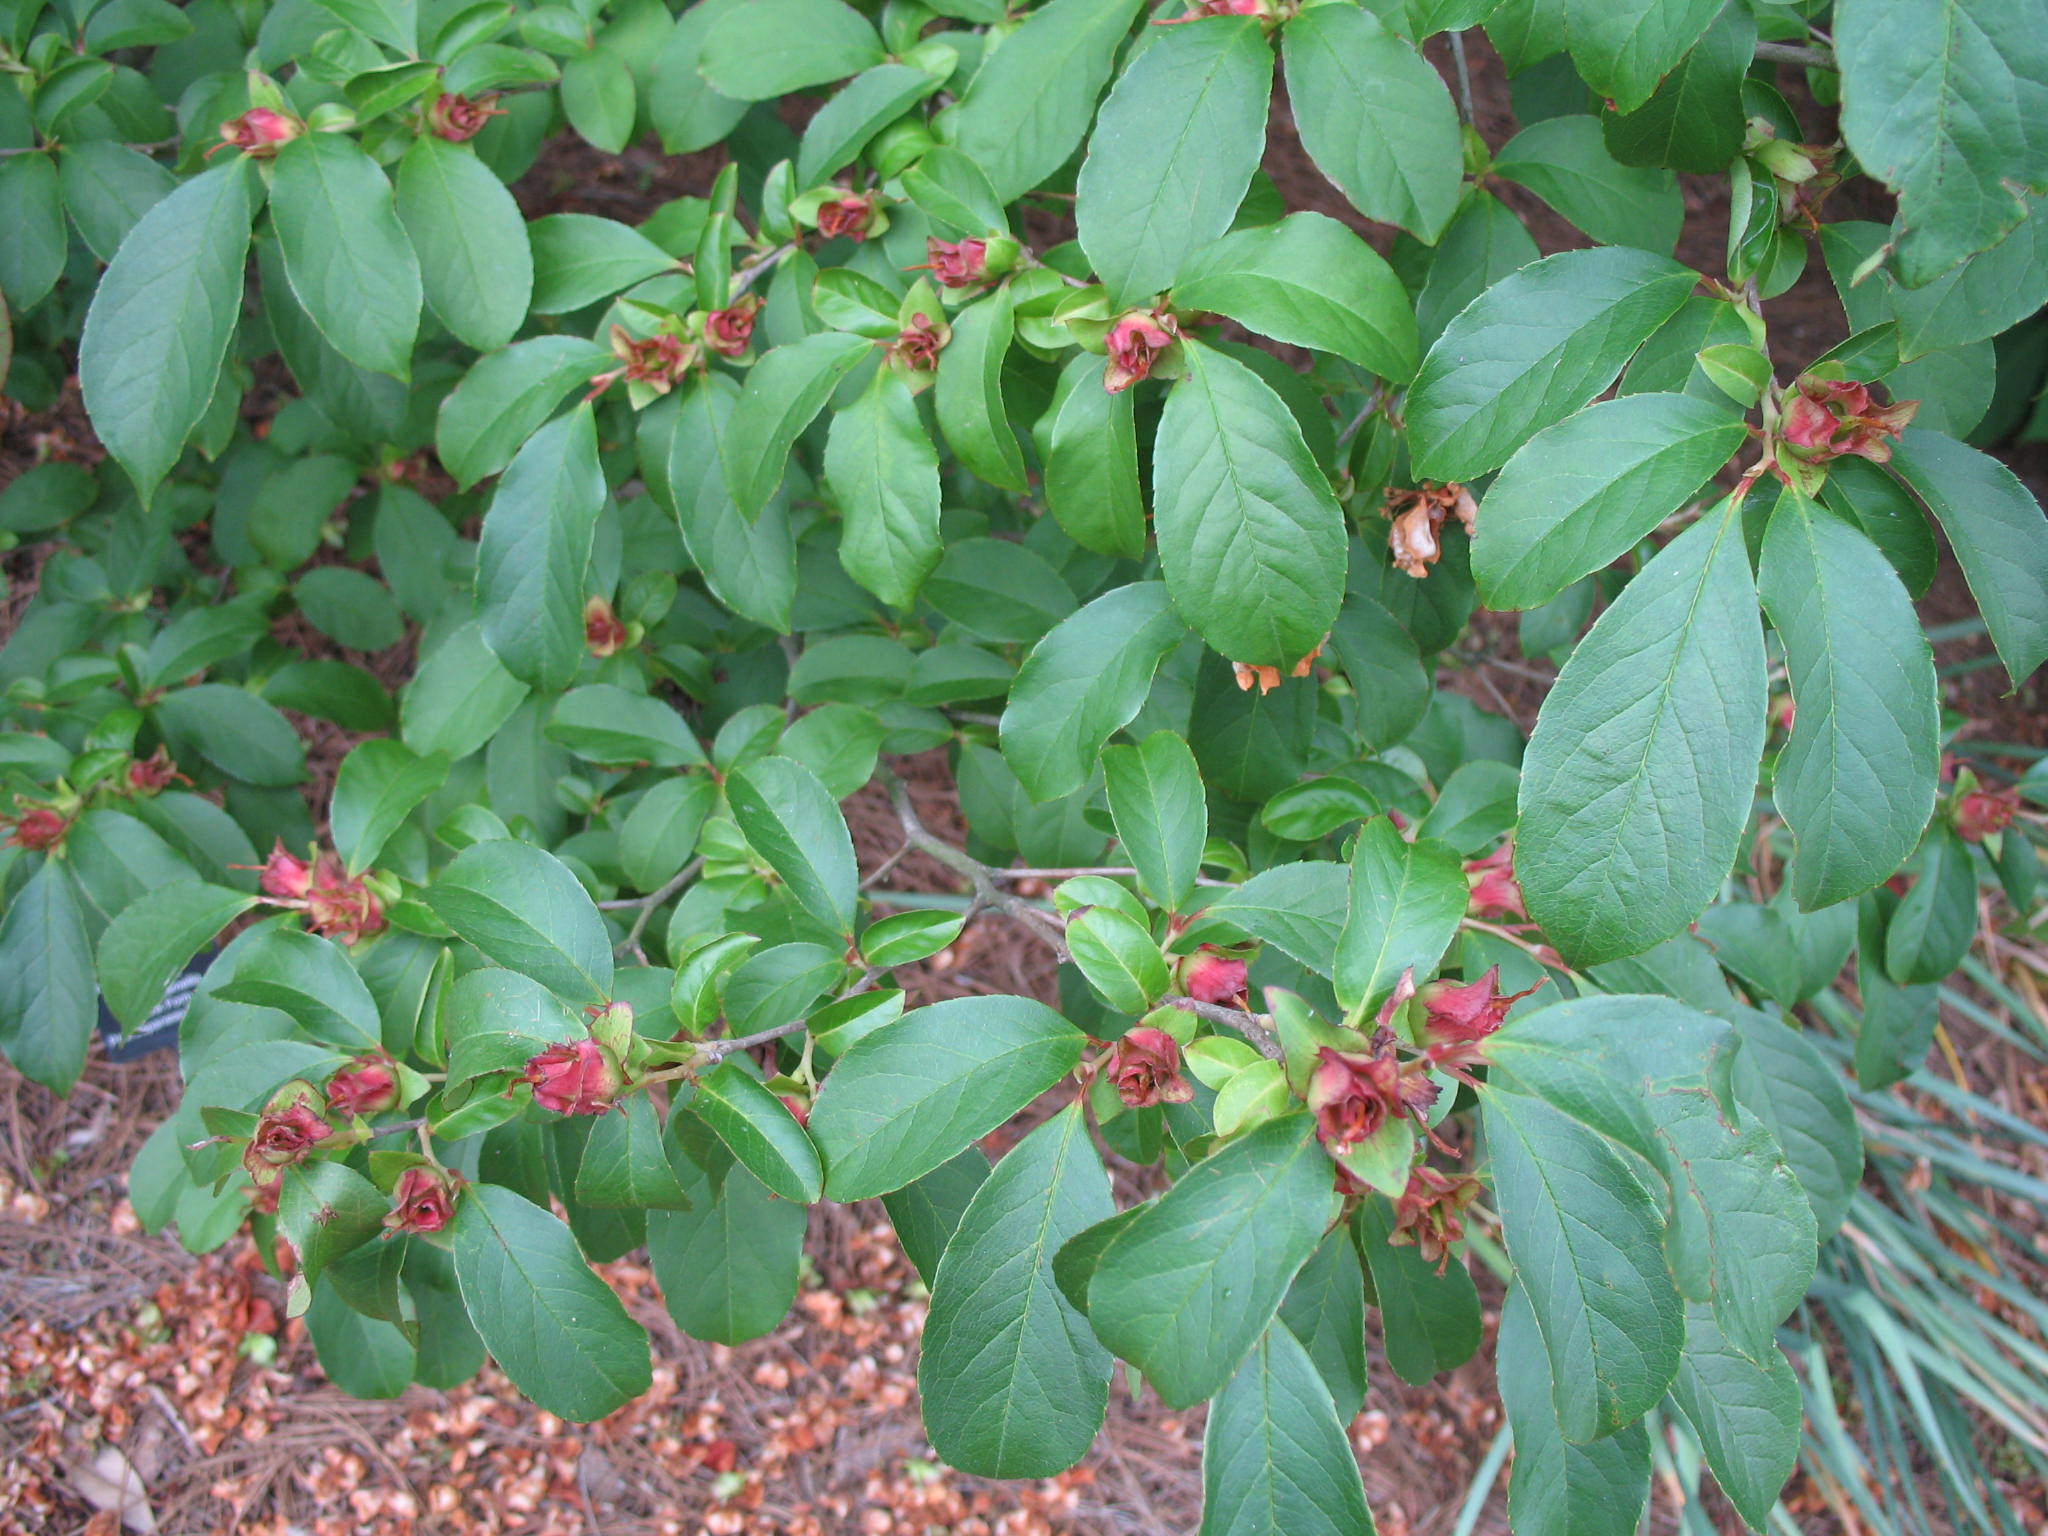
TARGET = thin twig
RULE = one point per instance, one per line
(1796, 53)
(1464, 78)
(977, 873)
(745, 276)
(1253, 1026)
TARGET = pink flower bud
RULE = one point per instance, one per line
(457, 118)
(258, 132)
(917, 346)
(728, 331)
(1135, 342)
(1418, 518)
(1983, 812)
(1837, 418)
(286, 1133)
(1355, 1093)
(1457, 1018)
(1430, 1212)
(38, 828)
(1494, 891)
(424, 1201)
(341, 906)
(960, 265)
(366, 1086)
(284, 877)
(1210, 976)
(602, 631)
(576, 1079)
(852, 216)
(1146, 1069)
(148, 775)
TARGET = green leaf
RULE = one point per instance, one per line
(969, 396)
(1898, 1022)
(1119, 958)
(1299, 908)
(107, 189)
(1407, 900)
(1172, 153)
(1031, 102)
(1325, 1311)
(955, 194)
(1310, 282)
(926, 1212)
(458, 698)
(47, 994)
(579, 258)
(1532, 349)
(919, 1091)
(1275, 1456)
(524, 910)
(1787, 1084)
(152, 939)
(350, 607)
(728, 1266)
(1483, 244)
(1936, 920)
(624, 1165)
(1746, 1413)
(1695, 120)
(1084, 682)
(380, 783)
(1856, 783)
(505, 398)
(1375, 118)
(555, 1328)
(1013, 1382)
(882, 465)
(761, 1131)
(1623, 48)
(476, 263)
(684, 109)
(604, 723)
(792, 822)
(761, 49)
(598, 99)
(1583, 1234)
(1250, 539)
(1562, 1489)
(534, 547)
(784, 393)
(660, 832)
(1155, 800)
(1944, 99)
(1581, 494)
(1429, 1322)
(310, 979)
(345, 253)
(1998, 533)
(394, 23)
(1638, 780)
(497, 1021)
(326, 1210)
(844, 125)
(161, 321)
(1088, 444)
(908, 937)
(1564, 161)
(32, 248)
(1186, 1289)
(365, 1356)
(750, 566)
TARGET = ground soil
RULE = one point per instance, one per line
(215, 1409)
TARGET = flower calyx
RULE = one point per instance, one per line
(457, 119)
(650, 365)
(288, 1130)
(581, 1077)
(366, 1086)
(1136, 342)
(423, 1201)
(1145, 1069)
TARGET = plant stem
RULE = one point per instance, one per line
(1252, 1026)
(1796, 53)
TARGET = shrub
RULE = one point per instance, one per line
(579, 924)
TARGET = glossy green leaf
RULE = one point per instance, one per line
(845, 124)
(327, 1209)
(750, 566)
(1186, 1289)
(1747, 1414)
(1119, 958)
(364, 1356)
(47, 1007)
(152, 939)
(926, 1212)
(760, 49)
(1562, 1489)
(579, 258)
(1694, 121)
(1535, 347)
(604, 723)
(379, 785)
(33, 245)
(917, 1092)
(598, 99)
(161, 321)
(310, 979)
(505, 398)
(660, 832)
(1623, 47)
(1300, 909)
(1936, 920)
(792, 822)
(969, 398)
(1565, 161)
(1429, 1320)
(1172, 153)
(555, 1328)
(345, 252)
(1251, 540)
(1325, 1311)
(1155, 799)
(497, 1020)
(1088, 443)
(684, 109)
(882, 465)
(1310, 282)
(1275, 1456)
(1856, 783)
(761, 1132)
(783, 395)
(535, 543)
(107, 189)
(1375, 118)
(728, 1266)
(1407, 900)
(524, 910)
(1082, 683)
(1786, 1083)
(459, 697)
(1013, 1382)
(1639, 777)
(476, 264)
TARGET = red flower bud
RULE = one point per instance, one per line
(1134, 343)
(1832, 419)
(284, 877)
(727, 331)
(340, 906)
(963, 264)
(1430, 1213)
(800, 1108)
(1210, 976)
(602, 631)
(917, 346)
(456, 118)
(39, 828)
(577, 1079)
(366, 1086)
(1457, 1018)
(424, 1201)
(1492, 885)
(258, 132)
(286, 1132)
(1982, 812)
(658, 361)
(1217, 8)
(852, 216)
(1355, 1093)
(156, 772)
(1146, 1069)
